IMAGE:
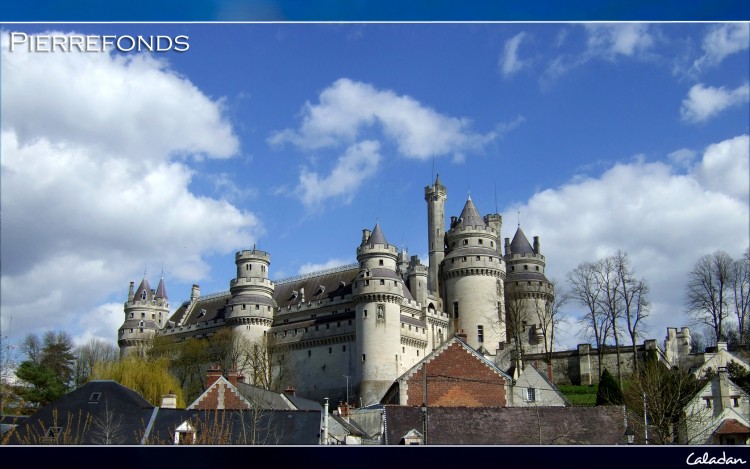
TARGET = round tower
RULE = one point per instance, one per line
(528, 294)
(146, 312)
(472, 274)
(250, 310)
(435, 196)
(378, 293)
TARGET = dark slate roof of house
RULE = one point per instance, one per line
(470, 216)
(262, 398)
(213, 305)
(601, 425)
(78, 412)
(270, 427)
(376, 237)
(300, 403)
(520, 244)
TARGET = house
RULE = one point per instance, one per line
(97, 413)
(602, 425)
(108, 413)
(718, 414)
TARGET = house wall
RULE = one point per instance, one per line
(457, 378)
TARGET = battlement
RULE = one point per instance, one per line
(527, 256)
(264, 283)
(253, 254)
(377, 249)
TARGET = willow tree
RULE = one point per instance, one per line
(150, 377)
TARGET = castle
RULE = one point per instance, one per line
(353, 330)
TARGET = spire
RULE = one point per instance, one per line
(377, 236)
(437, 180)
(161, 291)
(470, 216)
(520, 244)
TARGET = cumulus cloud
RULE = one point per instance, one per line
(665, 221)
(347, 108)
(329, 264)
(510, 63)
(95, 183)
(722, 41)
(358, 163)
(704, 102)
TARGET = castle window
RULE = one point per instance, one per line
(382, 282)
(363, 357)
(537, 268)
(512, 268)
(243, 306)
(338, 324)
(380, 262)
(417, 352)
(409, 327)
(343, 348)
(257, 307)
(328, 326)
(480, 334)
(262, 268)
(479, 258)
(525, 267)
(316, 328)
(330, 350)
(529, 283)
(481, 241)
(350, 322)
(143, 315)
(492, 244)
(248, 266)
(143, 295)
(367, 283)
(131, 315)
(455, 310)
(530, 395)
(365, 313)
(403, 349)
(309, 353)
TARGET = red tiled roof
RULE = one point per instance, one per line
(731, 426)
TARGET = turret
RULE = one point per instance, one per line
(528, 293)
(377, 293)
(146, 312)
(435, 196)
(251, 309)
(473, 274)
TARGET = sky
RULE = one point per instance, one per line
(293, 137)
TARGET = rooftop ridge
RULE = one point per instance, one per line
(211, 296)
(317, 273)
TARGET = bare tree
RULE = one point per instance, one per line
(708, 290)
(584, 289)
(550, 316)
(634, 293)
(740, 286)
(106, 428)
(515, 322)
(610, 300)
(88, 355)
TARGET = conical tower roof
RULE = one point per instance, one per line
(470, 216)
(520, 244)
(144, 286)
(377, 236)
(161, 290)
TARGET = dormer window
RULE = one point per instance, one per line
(143, 295)
(94, 398)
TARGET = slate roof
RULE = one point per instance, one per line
(144, 286)
(601, 425)
(520, 244)
(470, 216)
(78, 412)
(330, 281)
(161, 290)
(376, 237)
(271, 427)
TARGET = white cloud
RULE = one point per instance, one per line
(611, 40)
(347, 108)
(329, 264)
(665, 221)
(95, 183)
(509, 61)
(722, 41)
(358, 163)
(704, 102)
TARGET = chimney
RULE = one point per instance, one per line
(365, 235)
(213, 374)
(195, 293)
(536, 245)
(131, 294)
(232, 376)
(461, 334)
(723, 390)
(289, 391)
(549, 372)
(169, 401)
(507, 246)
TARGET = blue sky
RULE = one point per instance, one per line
(295, 137)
